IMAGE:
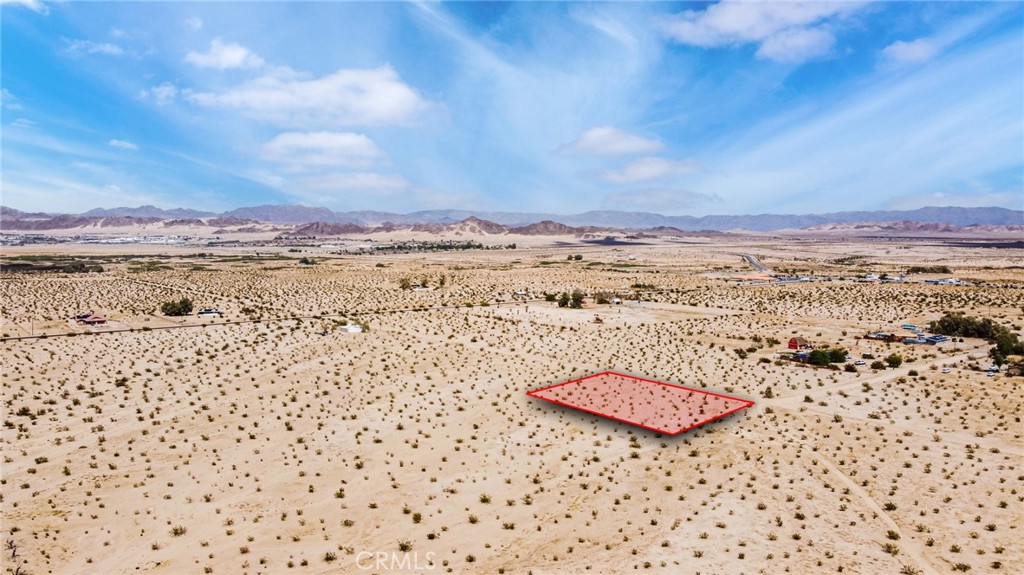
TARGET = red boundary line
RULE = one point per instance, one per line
(534, 395)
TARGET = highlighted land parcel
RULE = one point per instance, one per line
(653, 405)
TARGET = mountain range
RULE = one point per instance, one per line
(496, 222)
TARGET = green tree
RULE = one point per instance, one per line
(563, 300)
(176, 308)
(819, 357)
(837, 355)
(894, 360)
(576, 300)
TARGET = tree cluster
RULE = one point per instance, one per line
(961, 325)
(81, 268)
(175, 308)
(573, 300)
(928, 270)
(827, 356)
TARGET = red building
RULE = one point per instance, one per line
(798, 343)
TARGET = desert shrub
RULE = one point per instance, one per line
(576, 299)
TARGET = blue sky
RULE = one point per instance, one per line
(676, 108)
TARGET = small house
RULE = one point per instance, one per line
(798, 343)
(94, 319)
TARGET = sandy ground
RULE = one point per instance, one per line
(262, 443)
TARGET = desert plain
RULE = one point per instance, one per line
(271, 440)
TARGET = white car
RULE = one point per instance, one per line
(860, 362)
(946, 370)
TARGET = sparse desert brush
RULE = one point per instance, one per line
(402, 398)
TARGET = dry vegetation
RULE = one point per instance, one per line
(263, 442)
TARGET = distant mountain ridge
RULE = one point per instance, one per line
(492, 222)
(149, 212)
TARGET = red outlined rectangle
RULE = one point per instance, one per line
(654, 405)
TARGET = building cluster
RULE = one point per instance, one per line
(919, 337)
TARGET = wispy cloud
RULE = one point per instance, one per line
(354, 182)
(40, 183)
(300, 150)
(123, 144)
(663, 200)
(163, 94)
(650, 169)
(9, 100)
(90, 47)
(347, 97)
(34, 5)
(918, 50)
(224, 56)
(609, 141)
(797, 45)
(783, 31)
(927, 48)
(194, 23)
(915, 132)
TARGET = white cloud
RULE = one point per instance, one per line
(347, 97)
(194, 24)
(797, 45)
(307, 149)
(649, 169)
(785, 31)
(918, 50)
(9, 100)
(123, 144)
(34, 5)
(90, 47)
(355, 182)
(224, 56)
(609, 141)
(891, 137)
(659, 200)
(163, 94)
